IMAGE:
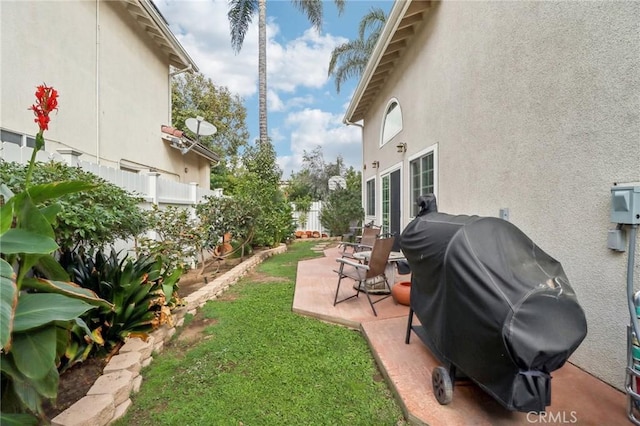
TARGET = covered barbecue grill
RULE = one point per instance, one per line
(493, 306)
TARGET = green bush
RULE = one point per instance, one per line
(341, 208)
(90, 219)
(177, 236)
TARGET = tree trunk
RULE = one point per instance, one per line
(262, 69)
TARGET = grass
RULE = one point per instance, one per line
(257, 363)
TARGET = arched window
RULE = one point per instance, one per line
(392, 124)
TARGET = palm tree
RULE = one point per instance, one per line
(350, 58)
(241, 13)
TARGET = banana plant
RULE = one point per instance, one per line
(37, 300)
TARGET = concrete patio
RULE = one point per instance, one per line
(577, 397)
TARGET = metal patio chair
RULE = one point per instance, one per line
(365, 243)
(366, 274)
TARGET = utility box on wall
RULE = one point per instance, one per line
(625, 205)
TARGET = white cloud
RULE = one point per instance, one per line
(202, 27)
(311, 128)
(302, 62)
(274, 103)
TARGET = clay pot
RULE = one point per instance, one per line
(401, 292)
(316, 234)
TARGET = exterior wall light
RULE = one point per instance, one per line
(375, 164)
(401, 147)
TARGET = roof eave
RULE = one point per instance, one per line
(151, 20)
(399, 28)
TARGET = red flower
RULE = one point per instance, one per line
(47, 101)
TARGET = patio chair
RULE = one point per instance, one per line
(350, 236)
(365, 243)
(366, 274)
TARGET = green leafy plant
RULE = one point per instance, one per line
(142, 292)
(89, 219)
(221, 215)
(177, 236)
(259, 188)
(35, 310)
(341, 208)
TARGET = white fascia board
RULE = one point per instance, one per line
(162, 25)
(395, 16)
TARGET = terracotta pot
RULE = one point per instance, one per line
(401, 292)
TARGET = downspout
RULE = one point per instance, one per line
(98, 82)
(362, 183)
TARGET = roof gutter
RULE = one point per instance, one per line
(393, 21)
(162, 25)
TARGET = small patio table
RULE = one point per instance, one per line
(390, 270)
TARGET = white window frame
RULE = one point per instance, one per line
(386, 138)
(25, 140)
(433, 149)
(386, 174)
(370, 205)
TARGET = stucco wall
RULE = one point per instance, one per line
(534, 106)
(125, 76)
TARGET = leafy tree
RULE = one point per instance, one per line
(313, 178)
(195, 95)
(240, 14)
(259, 186)
(350, 59)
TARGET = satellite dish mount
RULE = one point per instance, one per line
(200, 128)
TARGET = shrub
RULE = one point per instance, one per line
(89, 219)
(341, 208)
(177, 236)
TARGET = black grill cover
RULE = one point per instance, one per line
(492, 303)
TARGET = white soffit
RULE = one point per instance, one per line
(403, 19)
(153, 23)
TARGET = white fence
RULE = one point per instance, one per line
(149, 186)
(146, 185)
(312, 222)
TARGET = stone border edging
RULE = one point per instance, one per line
(109, 397)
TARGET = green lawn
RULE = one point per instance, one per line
(257, 363)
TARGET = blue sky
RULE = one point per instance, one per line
(304, 110)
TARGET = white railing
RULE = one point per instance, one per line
(149, 186)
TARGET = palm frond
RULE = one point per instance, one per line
(240, 15)
(373, 21)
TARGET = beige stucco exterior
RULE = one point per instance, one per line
(112, 76)
(534, 107)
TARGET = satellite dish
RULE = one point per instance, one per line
(337, 182)
(200, 127)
